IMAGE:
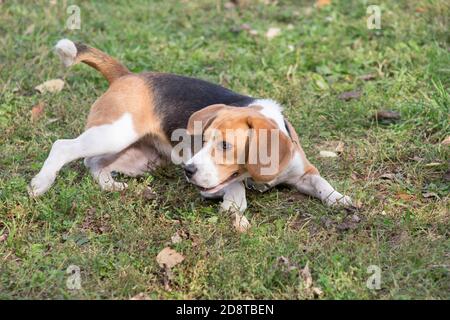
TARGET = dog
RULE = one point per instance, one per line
(130, 130)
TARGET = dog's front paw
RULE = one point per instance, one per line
(336, 199)
(240, 223)
(40, 184)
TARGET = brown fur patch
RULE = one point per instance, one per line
(128, 94)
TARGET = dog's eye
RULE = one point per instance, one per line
(225, 145)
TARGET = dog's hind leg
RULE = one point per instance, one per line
(97, 140)
(133, 161)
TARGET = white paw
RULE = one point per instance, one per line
(40, 184)
(337, 199)
(240, 223)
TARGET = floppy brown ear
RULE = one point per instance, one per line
(269, 149)
(202, 119)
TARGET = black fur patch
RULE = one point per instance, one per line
(81, 47)
(176, 98)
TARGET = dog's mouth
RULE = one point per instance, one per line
(235, 176)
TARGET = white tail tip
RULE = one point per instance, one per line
(67, 51)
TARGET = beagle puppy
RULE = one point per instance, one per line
(136, 125)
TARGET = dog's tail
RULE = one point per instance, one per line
(72, 53)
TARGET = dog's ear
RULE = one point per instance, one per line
(269, 149)
(202, 119)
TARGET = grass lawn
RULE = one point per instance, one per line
(396, 173)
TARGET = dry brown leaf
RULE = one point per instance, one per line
(346, 96)
(368, 77)
(430, 195)
(446, 141)
(3, 237)
(37, 111)
(322, 3)
(229, 5)
(388, 176)
(387, 116)
(54, 85)
(240, 223)
(327, 154)
(169, 258)
(306, 276)
(446, 176)
(176, 238)
(272, 33)
(149, 194)
(29, 30)
(317, 292)
(405, 196)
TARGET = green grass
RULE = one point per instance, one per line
(114, 237)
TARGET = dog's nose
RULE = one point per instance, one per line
(190, 170)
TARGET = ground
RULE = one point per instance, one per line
(395, 171)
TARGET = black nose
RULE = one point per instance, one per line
(190, 170)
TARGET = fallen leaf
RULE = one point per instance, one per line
(332, 145)
(54, 85)
(272, 33)
(169, 258)
(3, 237)
(388, 176)
(306, 276)
(141, 296)
(368, 77)
(446, 176)
(387, 116)
(29, 30)
(420, 10)
(52, 120)
(176, 238)
(430, 195)
(327, 154)
(229, 5)
(346, 96)
(405, 196)
(433, 164)
(286, 265)
(350, 222)
(322, 3)
(446, 141)
(240, 223)
(37, 111)
(317, 292)
(149, 194)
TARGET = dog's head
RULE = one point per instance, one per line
(236, 143)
